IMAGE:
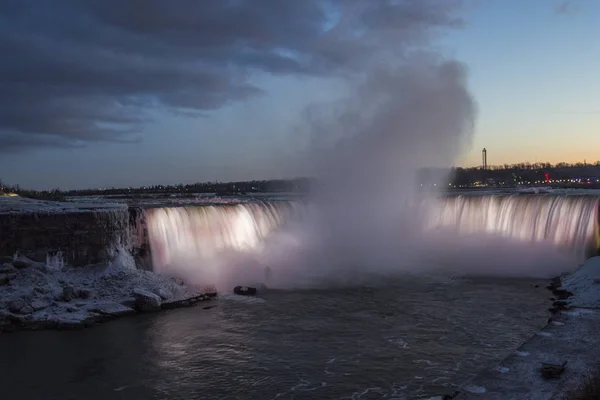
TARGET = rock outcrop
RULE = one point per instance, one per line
(146, 301)
(33, 296)
(245, 290)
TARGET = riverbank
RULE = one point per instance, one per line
(570, 336)
(36, 295)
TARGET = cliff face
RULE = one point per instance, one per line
(83, 237)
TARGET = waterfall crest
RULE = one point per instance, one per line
(513, 235)
(566, 221)
(184, 234)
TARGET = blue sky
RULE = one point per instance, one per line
(533, 72)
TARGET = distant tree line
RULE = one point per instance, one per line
(527, 172)
(458, 176)
(55, 194)
(221, 188)
(539, 165)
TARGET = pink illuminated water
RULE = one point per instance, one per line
(513, 235)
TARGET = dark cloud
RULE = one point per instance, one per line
(80, 71)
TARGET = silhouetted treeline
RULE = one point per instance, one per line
(55, 195)
(300, 185)
(499, 175)
(526, 173)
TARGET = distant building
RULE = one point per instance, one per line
(484, 158)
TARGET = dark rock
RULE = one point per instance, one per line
(27, 310)
(562, 294)
(70, 321)
(186, 302)
(4, 319)
(450, 396)
(179, 281)
(85, 293)
(244, 290)
(146, 301)
(39, 255)
(560, 305)
(208, 307)
(130, 302)
(22, 262)
(16, 305)
(7, 269)
(6, 259)
(42, 268)
(38, 305)
(551, 370)
(445, 396)
(69, 293)
(111, 309)
(101, 256)
(6, 278)
(555, 283)
(72, 309)
(41, 290)
(164, 294)
(18, 321)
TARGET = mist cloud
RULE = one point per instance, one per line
(401, 106)
(81, 71)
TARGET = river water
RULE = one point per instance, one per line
(405, 338)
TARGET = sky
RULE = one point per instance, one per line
(103, 94)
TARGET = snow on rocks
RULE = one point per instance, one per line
(6, 277)
(7, 268)
(146, 301)
(18, 205)
(36, 296)
(21, 262)
(110, 309)
(583, 284)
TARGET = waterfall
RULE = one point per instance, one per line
(518, 235)
(191, 234)
(567, 221)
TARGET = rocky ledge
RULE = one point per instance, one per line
(35, 295)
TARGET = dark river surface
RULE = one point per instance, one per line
(406, 339)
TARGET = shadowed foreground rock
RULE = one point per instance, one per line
(245, 290)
